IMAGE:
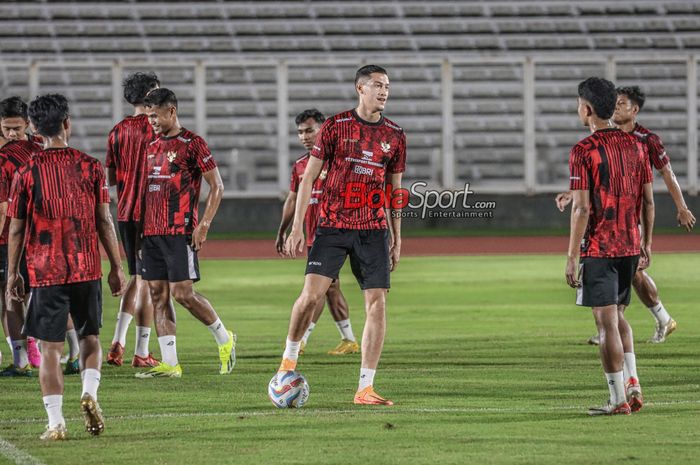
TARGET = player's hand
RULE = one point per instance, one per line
(562, 200)
(644, 257)
(279, 243)
(686, 219)
(15, 288)
(294, 243)
(395, 254)
(199, 236)
(571, 273)
(116, 281)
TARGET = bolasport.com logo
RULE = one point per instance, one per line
(419, 202)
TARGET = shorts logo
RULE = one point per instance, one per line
(171, 156)
(323, 174)
(359, 169)
(385, 146)
(315, 263)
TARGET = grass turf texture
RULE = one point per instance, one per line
(485, 358)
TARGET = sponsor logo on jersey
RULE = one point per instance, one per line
(359, 169)
(367, 155)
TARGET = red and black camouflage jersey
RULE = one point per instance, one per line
(57, 191)
(654, 146)
(360, 155)
(126, 153)
(311, 218)
(613, 166)
(175, 167)
(13, 155)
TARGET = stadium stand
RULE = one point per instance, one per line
(241, 100)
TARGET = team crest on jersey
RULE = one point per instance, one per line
(323, 175)
(171, 156)
(386, 146)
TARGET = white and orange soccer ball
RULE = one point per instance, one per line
(288, 389)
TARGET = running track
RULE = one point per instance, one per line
(422, 246)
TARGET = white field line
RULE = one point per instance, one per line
(356, 411)
(18, 456)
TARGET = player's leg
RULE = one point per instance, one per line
(73, 362)
(338, 307)
(51, 381)
(648, 293)
(143, 310)
(115, 356)
(20, 356)
(86, 311)
(627, 271)
(316, 316)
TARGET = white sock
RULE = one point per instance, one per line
(168, 350)
(91, 381)
(9, 344)
(630, 367)
(616, 385)
(345, 329)
(660, 313)
(218, 330)
(143, 337)
(123, 321)
(54, 409)
(73, 343)
(291, 350)
(19, 353)
(311, 327)
(366, 378)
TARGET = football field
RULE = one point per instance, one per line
(485, 358)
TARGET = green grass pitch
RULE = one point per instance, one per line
(485, 358)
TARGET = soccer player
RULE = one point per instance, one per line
(14, 153)
(177, 160)
(610, 180)
(59, 205)
(126, 168)
(630, 101)
(308, 123)
(364, 151)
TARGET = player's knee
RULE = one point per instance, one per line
(183, 295)
(309, 300)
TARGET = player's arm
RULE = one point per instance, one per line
(216, 192)
(648, 212)
(685, 216)
(3, 214)
(295, 241)
(108, 238)
(287, 217)
(15, 242)
(580, 211)
(563, 199)
(112, 175)
(395, 222)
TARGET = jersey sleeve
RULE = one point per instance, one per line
(112, 141)
(200, 154)
(5, 179)
(578, 169)
(19, 197)
(101, 185)
(324, 147)
(657, 151)
(397, 164)
(295, 180)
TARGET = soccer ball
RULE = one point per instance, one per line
(288, 389)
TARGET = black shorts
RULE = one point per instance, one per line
(49, 307)
(169, 258)
(606, 281)
(22, 267)
(368, 250)
(128, 231)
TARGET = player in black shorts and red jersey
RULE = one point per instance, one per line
(59, 205)
(610, 179)
(308, 124)
(363, 151)
(630, 101)
(14, 153)
(177, 160)
(126, 169)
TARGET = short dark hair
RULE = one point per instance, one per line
(47, 113)
(601, 94)
(633, 93)
(310, 113)
(161, 97)
(138, 85)
(13, 107)
(367, 70)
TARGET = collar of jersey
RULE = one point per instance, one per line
(368, 123)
